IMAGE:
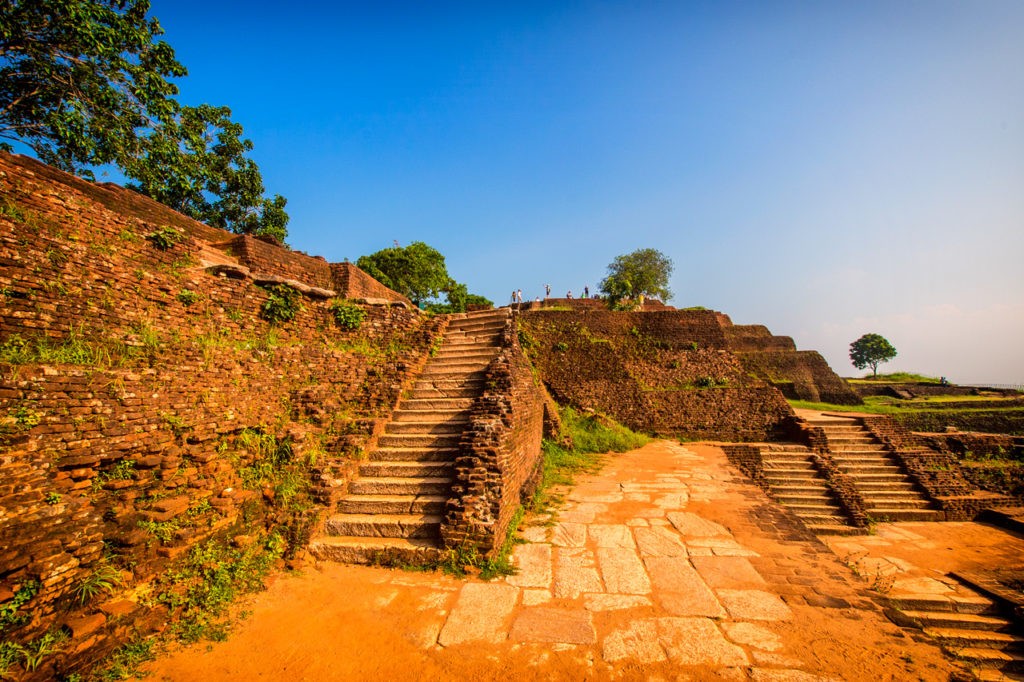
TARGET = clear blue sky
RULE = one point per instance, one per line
(824, 168)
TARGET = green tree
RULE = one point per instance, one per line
(80, 80)
(196, 164)
(85, 83)
(871, 350)
(645, 272)
(417, 271)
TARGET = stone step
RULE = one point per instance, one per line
(957, 621)
(445, 389)
(387, 551)
(459, 405)
(955, 603)
(384, 525)
(884, 514)
(791, 499)
(470, 371)
(878, 478)
(420, 440)
(371, 485)
(392, 504)
(791, 477)
(406, 469)
(858, 469)
(437, 416)
(987, 639)
(788, 489)
(813, 509)
(834, 529)
(981, 657)
(465, 324)
(483, 354)
(884, 486)
(477, 338)
(391, 454)
(408, 427)
(856, 448)
(823, 519)
(889, 503)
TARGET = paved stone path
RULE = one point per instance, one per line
(667, 565)
(637, 568)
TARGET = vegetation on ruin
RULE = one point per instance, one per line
(633, 276)
(419, 273)
(282, 304)
(580, 448)
(897, 378)
(871, 350)
(347, 315)
(89, 83)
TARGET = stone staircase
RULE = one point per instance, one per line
(889, 493)
(970, 629)
(394, 508)
(796, 483)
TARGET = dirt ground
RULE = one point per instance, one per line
(335, 622)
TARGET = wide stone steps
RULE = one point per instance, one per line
(450, 426)
(794, 482)
(388, 485)
(427, 454)
(392, 512)
(406, 469)
(891, 514)
(393, 504)
(384, 525)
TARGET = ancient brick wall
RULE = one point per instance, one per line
(800, 375)
(129, 375)
(499, 464)
(264, 258)
(351, 282)
(665, 372)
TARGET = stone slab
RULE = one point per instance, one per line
(753, 635)
(622, 570)
(727, 571)
(637, 641)
(697, 641)
(606, 535)
(613, 602)
(659, 542)
(548, 624)
(480, 614)
(568, 534)
(680, 590)
(575, 573)
(754, 605)
(693, 526)
(534, 564)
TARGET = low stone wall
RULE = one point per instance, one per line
(262, 257)
(1006, 421)
(499, 464)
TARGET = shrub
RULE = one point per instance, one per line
(187, 297)
(281, 305)
(347, 315)
(165, 238)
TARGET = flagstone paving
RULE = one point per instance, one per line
(666, 565)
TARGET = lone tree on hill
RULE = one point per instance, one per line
(85, 83)
(871, 350)
(631, 277)
(418, 272)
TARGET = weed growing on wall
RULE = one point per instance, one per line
(347, 315)
(165, 238)
(282, 303)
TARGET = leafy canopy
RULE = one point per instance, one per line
(645, 272)
(871, 350)
(85, 83)
(419, 273)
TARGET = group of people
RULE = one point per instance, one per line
(517, 295)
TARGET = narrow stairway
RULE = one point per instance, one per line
(888, 492)
(969, 627)
(393, 509)
(796, 483)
